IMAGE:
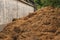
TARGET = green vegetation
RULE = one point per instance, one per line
(42, 3)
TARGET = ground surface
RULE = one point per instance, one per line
(43, 24)
(2, 27)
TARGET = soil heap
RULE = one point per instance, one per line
(43, 24)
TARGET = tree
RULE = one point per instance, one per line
(42, 3)
(38, 3)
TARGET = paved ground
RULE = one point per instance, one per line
(2, 26)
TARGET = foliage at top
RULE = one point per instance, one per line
(42, 3)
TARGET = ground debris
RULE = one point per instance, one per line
(43, 24)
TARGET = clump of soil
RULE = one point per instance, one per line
(5, 37)
(43, 24)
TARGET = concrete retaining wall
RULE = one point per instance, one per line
(10, 9)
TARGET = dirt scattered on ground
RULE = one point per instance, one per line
(43, 24)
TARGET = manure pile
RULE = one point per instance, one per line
(43, 24)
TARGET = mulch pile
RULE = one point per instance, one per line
(44, 24)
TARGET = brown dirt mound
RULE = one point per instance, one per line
(43, 25)
(5, 37)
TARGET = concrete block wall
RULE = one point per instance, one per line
(10, 9)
